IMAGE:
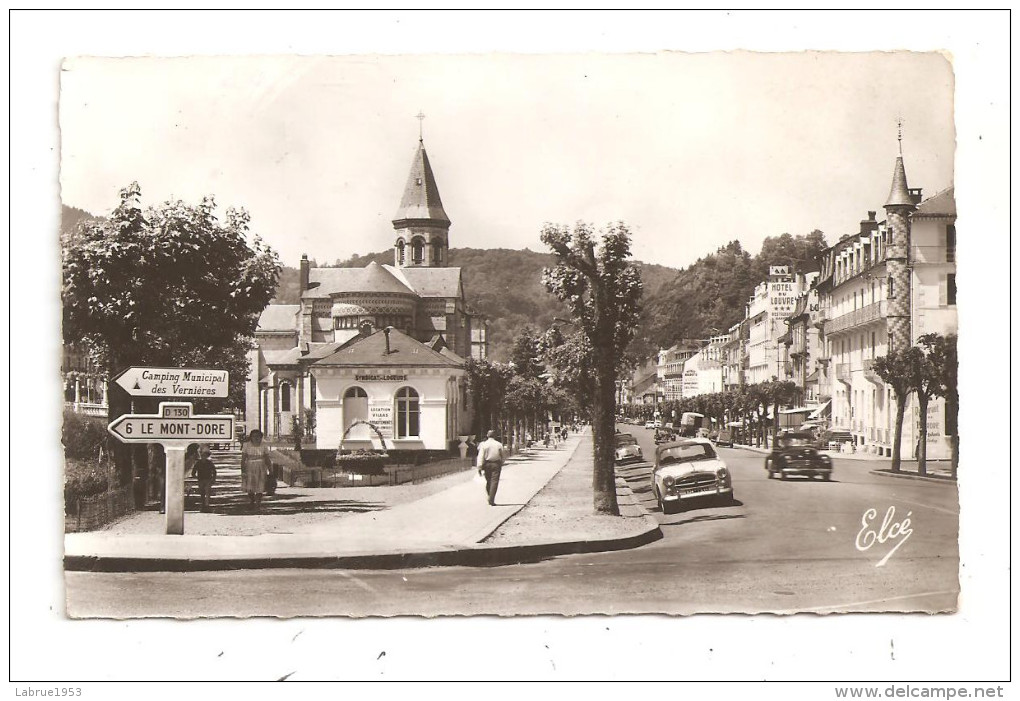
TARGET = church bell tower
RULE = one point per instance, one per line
(423, 229)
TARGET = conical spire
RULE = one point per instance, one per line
(421, 202)
(899, 194)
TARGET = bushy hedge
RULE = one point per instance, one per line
(82, 480)
(362, 462)
(82, 436)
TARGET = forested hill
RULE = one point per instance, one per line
(502, 284)
(709, 296)
(506, 286)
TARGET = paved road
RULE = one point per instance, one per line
(783, 546)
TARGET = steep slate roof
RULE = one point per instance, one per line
(279, 317)
(421, 194)
(942, 204)
(899, 194)
(431, 282)
(372, 278)
(370, 351)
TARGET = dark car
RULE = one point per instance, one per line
(794, 453)
(724, 437)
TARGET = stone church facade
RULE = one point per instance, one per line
(377, 354)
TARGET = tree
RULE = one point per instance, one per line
(779, 394)
(172, 286)
(602, 289)
(938, 379)
(898, 370)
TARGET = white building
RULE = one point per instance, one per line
(883, 288)
(771, 303)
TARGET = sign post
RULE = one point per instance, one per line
(174, 427)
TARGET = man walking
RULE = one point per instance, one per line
(490, 461)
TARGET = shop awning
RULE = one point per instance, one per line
(798, 410)
(821, 412)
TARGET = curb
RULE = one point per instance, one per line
(473, 556)
(910, 476)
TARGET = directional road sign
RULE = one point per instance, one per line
(174, 422)
(174, 382)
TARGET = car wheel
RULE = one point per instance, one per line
(827, 477)
(771, 474)
(782, 475)
(666, 507)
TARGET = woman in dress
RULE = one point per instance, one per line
(255, 466)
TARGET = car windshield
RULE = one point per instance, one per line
(686, 452)
(625, 440)
(795, 440)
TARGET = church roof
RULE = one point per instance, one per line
(324, 282)
(282, 357)
(279, 317)
(370, 351)
(421, 194)
(431, 282)
(942, 204)
(899, 194)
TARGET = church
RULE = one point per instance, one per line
(373, 357)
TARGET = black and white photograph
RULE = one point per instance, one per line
(659, 351)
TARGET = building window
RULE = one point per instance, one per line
(407, 413)
(951, 289)
(889, 290)
(951, 243)
(400, 251)
(417, 250)
(285, 396)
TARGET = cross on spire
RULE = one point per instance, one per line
(899, 133)
(420, 117)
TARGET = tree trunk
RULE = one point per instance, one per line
(901, 407)
(922, 441)
(604, 454)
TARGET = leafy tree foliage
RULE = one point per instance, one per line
(169, 286)
(594, 277)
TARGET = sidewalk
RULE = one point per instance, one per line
(444, 528)
(937, 470)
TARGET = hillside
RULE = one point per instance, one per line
(706, 297)
(502, 284)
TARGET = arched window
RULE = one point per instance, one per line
(400, 251)
(437, 252)
(407, 413)
(417, 249)
(355, 393)
(285, 396)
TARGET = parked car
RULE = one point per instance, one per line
(794, 453)
(724, 437)
(627, 449)
(649, 424)
(664, 435)
(688, 469)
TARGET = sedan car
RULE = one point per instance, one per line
(688, 469)
(627, 449)
(795, 454)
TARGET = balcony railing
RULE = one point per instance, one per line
(859, 317)
(869, 372)
(843, 372)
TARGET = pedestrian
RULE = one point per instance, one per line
(255, 466)
(490, 462)
(205, 471)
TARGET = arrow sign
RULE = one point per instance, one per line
(174, 382)
(165, 427)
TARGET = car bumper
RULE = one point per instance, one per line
(806, 470)
(718, 490)
(629, 458)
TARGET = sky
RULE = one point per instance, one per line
(690, 150)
